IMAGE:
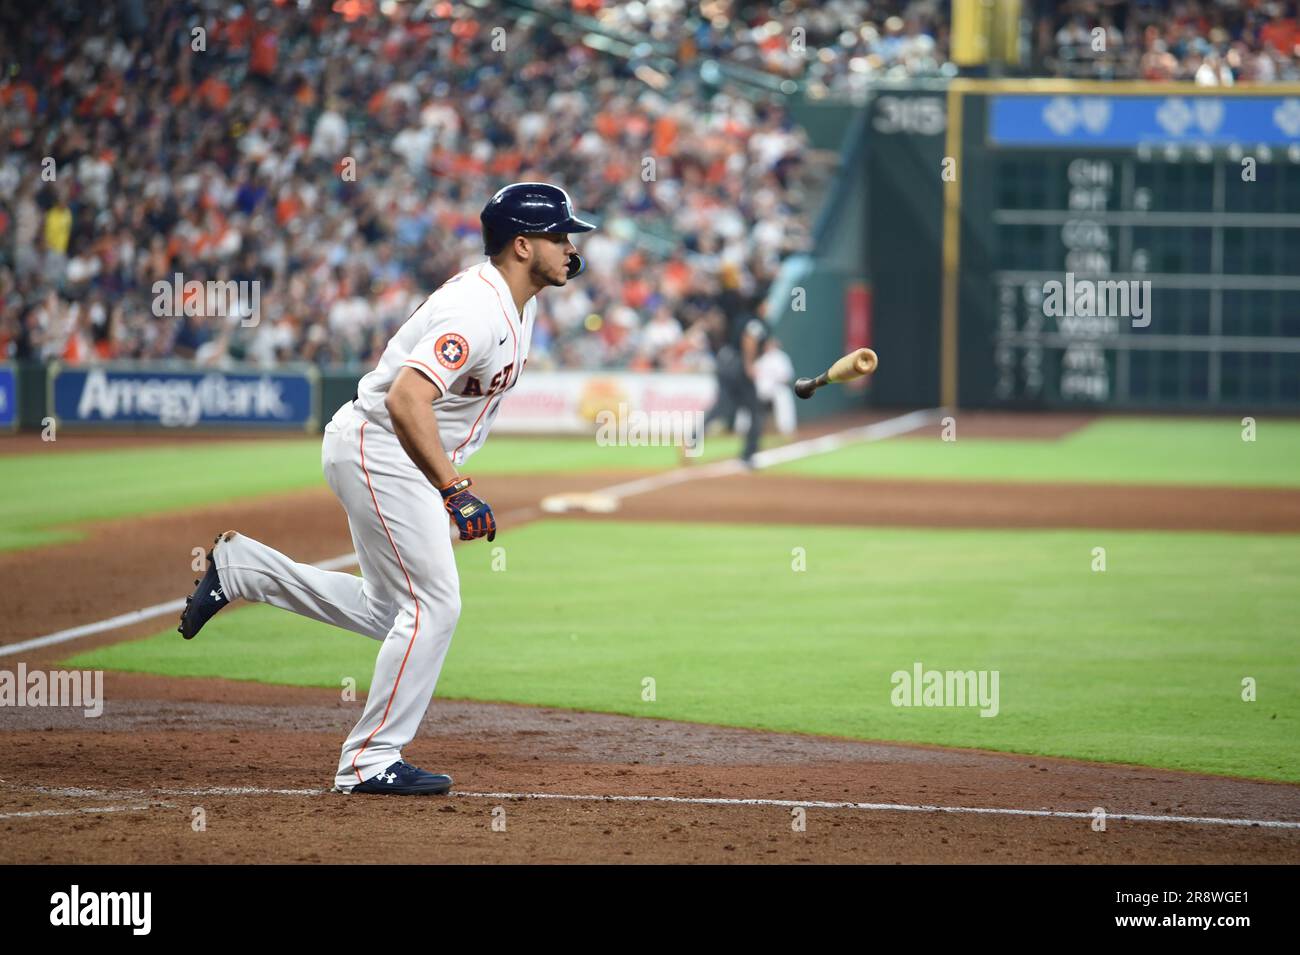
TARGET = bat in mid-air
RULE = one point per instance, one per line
(855, 364)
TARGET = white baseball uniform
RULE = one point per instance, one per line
(469, 339)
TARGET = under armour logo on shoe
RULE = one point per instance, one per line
(217, 594)
(388, 777)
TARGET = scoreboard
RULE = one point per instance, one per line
(1124, 245)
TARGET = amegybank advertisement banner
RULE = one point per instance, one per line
(183, 398)
(572, 401)
(8, 397)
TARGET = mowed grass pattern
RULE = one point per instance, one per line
(1109, 451)
(1142, 663)
(45, 495)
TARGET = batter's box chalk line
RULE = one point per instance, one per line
(219, 791)
(84, 810)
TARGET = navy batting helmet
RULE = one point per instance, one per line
(530, 207)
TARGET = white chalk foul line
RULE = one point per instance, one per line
(891, 807)
(86, 810)
(135, 616)
(888, 428)
(703, 801)
(78, 792)
(239, 791)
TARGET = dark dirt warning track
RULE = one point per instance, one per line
(256, 760)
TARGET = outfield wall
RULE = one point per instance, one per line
(160, 397)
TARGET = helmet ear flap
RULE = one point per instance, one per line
(576, 265)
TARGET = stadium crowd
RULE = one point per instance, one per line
(841, 46)
(1208, 43)
(339, 159)
(337, 154)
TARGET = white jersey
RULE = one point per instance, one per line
(468, 339)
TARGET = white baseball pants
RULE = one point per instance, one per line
(408, 594)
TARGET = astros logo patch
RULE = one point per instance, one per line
(452, 350)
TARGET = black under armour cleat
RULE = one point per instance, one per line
(207, 599)
(402, 779)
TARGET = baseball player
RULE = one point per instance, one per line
(738, 340)
(392, 456)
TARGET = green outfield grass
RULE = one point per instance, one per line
(505, 455)
(1110, 451)
(47, 494)
(1142, 663)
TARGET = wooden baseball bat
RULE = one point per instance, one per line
(853, 365)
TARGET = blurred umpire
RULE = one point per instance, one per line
(737, 339)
